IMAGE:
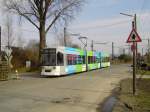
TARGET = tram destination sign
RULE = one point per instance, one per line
(49, 50)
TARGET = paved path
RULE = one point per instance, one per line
(77, 93)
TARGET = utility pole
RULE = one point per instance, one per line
(135, 24)
(135, 27)
(135, 51)
(148, 54)
(92, 45)
(65, 44)
(0, 42)
(148, 45)
(112, 50)
(0, 46)
(134, 63)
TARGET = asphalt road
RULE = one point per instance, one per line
(76, 93)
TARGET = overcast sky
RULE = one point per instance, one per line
(100, 20)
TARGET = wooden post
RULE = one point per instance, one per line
(0, 47)
(134, 68)
(134, 63)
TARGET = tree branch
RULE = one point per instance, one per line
(59, 14)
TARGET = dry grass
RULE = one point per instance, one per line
(134, 103)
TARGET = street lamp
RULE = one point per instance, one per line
(134, 16)
(127, 14)
(134, 26)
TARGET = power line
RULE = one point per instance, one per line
(98, 26)
(105, 26)
(143, 23)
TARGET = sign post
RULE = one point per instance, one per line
(134, 68)
(134, 38)
(9, 57)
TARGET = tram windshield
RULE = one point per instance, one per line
(49, 57)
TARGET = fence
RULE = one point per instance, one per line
(4, 70)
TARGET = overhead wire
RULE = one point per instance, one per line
(105, 26)
(142, 17)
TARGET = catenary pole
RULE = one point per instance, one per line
(92, 45)
(112, 50)
(0, 44)
(65, 44)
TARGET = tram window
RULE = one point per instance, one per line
(79, 60)
(71, 59)
(90, 59)
(97, 60)
(83, 59)
(48, 59)
(105, 59)
(94, 59)
(60, 59)
(75, 57)
(68, 59)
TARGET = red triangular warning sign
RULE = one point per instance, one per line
(133, 37)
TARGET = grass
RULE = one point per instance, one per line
(127, 102)
(143, 72)
(23, 70)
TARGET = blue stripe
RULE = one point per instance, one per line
(70, 69)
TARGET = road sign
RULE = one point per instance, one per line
(8, 52)
(8, 56)
(133, 47)
(133, 37)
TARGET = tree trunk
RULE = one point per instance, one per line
(42, 44)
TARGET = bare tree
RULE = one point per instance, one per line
(43, 14)
(9, 30)
(32, 51)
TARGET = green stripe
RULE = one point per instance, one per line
(90, 53)
(92, 66)
(78, 68)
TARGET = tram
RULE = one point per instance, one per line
(65, 60)
(105, 60)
